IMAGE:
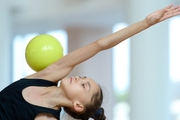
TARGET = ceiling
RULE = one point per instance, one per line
(31, 15)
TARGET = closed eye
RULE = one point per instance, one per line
(84, 77)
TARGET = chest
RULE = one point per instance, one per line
(34, 95)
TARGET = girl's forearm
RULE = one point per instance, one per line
(121, 35)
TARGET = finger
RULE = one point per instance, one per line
(177, 8)
(170, 14)
(169, 6)
(174, 8)
(171, 11)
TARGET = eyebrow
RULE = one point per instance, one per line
(89, 86)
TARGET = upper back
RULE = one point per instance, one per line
(14, 106)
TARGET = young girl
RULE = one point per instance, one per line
(37, 96)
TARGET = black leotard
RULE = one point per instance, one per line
(14, 107)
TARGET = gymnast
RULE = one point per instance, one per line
(37, 96)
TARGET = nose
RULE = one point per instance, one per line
(77, 78)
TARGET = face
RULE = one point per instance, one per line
(79, 88)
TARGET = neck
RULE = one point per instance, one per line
(55, 98)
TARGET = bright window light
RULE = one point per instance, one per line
(121, 63)
(121, 83)
(175, 64)
(175, 49)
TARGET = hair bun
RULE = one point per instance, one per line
(99, 115)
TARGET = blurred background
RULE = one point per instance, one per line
(140, 77)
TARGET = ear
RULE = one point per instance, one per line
(78, 107)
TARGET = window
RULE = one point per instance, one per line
(20, 67)
(175, 65)
(121, 77)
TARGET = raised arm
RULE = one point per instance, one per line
(63, 67)
(133, 29)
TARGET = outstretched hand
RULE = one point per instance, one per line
(162, 14)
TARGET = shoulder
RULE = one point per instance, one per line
(51, 73)
(38, 81)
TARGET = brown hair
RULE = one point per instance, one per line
(92, 110)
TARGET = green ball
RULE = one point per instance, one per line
(42, 51)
